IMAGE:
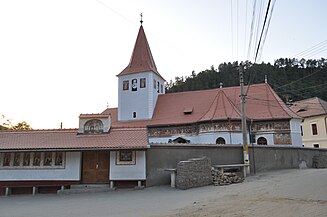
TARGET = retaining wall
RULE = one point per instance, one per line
(262, 158)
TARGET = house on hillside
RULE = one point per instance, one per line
(314, 125)
(110, 147)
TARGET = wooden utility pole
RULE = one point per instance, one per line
(244, 129)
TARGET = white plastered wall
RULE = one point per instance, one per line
(128, 172)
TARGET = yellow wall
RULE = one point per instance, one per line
(309, 139)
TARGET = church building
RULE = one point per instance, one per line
(110, 147)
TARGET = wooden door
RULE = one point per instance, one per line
(95, 167)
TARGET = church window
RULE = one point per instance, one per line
(27, 159)
(125, 85)
(93, 127)
(134, 114)
(142, 83)
(134, 85)
(125, 157)
(37, 159)
(6, 159)
(262, 141)
(158, 85)
(154, 83)
(17, 159)
(59, 158)
(47, 160)
(32, 160)
(220, 141)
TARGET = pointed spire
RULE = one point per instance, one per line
(141, 59)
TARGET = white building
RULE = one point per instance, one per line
(110, 148)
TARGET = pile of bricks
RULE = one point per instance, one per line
(319, 161)
(194, 172)
(219, 178)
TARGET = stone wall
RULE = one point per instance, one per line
(194, 172)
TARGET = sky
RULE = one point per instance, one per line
(60, 58)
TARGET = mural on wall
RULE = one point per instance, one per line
(94, 126)
(282, 139)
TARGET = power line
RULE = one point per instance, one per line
(300, 78)
(311, 48)
(231, 19)
(263, 27)
(252, 28)
(266, 30)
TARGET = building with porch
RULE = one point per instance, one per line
(111, 147)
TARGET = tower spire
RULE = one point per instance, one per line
(141, 21)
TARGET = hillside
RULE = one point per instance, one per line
(292, 79)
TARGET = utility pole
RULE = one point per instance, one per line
(244, 130)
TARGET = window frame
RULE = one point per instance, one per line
(126, 85)
(31, 161)
(221, 139)
(142, 82)
(262, 137)
(120, 161)
(134, 85)
(314, 131)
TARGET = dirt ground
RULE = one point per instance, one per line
(283, 193)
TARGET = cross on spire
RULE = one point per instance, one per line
(141, 21)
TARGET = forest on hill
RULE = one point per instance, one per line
(292, 79)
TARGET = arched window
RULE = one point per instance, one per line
(220, 141)
(94, 126)
(262, 141)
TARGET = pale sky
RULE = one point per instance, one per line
(60, 58)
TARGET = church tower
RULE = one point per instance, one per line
(139, 84)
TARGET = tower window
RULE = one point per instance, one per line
(134, 85)
(134, 114)
(125, 85)
(142, 83)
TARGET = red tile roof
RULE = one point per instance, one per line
(135, 138)
(262, 103)
(141, 59)
(310, 107)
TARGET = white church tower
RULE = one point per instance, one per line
(139, 84)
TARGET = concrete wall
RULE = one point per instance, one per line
(262, 158)
(70, 172)
(128, 172)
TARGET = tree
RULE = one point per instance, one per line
(5, 124)
(22, 126)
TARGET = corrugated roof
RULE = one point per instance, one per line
(135, 138)
(141, 59)
(310, 107)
